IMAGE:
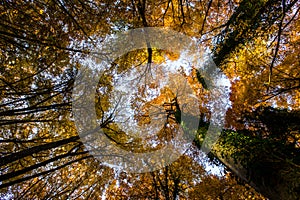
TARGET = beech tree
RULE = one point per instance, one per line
(254, 42)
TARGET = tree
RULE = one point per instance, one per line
(180, 181)
(42, 45)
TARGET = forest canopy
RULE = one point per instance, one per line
(254, 44)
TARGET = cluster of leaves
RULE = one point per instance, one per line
(183, 179)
